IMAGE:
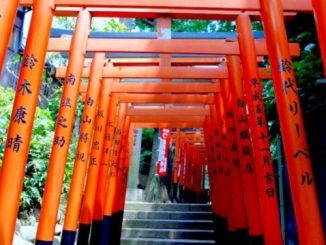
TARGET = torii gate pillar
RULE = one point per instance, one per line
(297, 156)
(8, 10)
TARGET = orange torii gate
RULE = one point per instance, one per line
(239, 5)
(146, 118)
(167, 46)
(148, 115)
(109, 213)
(163, 72)
(152, 62)
(196, 141)
(133, 74)
(17, 146)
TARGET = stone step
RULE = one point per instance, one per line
(168, 224)
(167, 207)
(168, 233)
(151, 241)
(136, 214)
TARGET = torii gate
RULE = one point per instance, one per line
(149, 116)
(293, 134)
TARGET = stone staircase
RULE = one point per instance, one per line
(167, 224)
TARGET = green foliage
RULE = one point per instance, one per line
(64, 22)
(54, 103)
(226, 26)
(40, 148)
(56, 59)
(16, 58)
(146, 145)
(37, 165)
(98, 24)
(148, 134)
(181, 25)
(147, 140)
(257, 26)
(146, 25)
(108, 25)
(308, 67)
(193, 25)
(6, 99)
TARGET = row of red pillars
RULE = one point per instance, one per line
(295, 146)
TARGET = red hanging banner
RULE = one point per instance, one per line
(163, 151)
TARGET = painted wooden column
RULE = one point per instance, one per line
(63, 131)
(121, 186)
(217, 112)
(8, 13)
(224, 169)
(236, 184)
(247, 167)
(176, 163)
(22, 117)
(83, 150)
(103, 170)
(216, 176)
(296, 151)
(177, 156)
(181, 166)
(189, 161)
(198, 174)
(186, 169)
(212, 165)
(214, 152)
(192, 173)
(127, 163)
(320, 17)
(111, 182)
(87, 207)
(259, 134)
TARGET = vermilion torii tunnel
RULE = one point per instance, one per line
(228, 108)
